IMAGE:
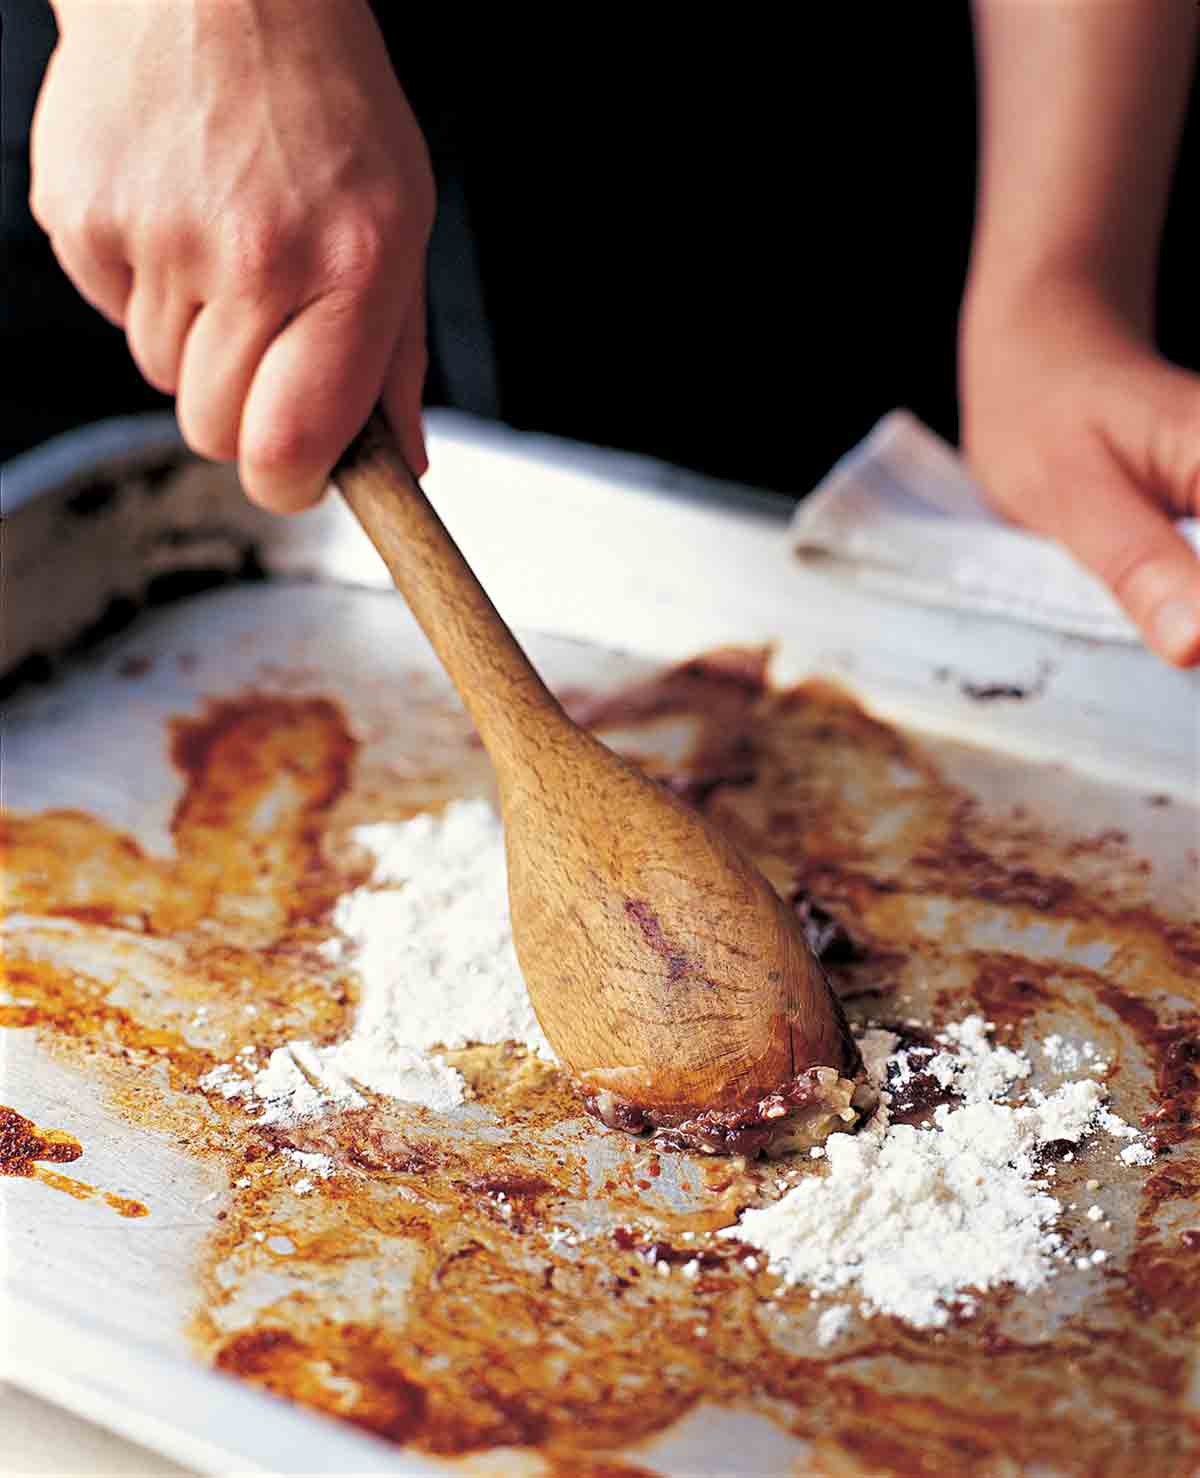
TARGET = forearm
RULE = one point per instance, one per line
(1081, 103)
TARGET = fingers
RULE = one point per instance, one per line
(157, 322)
(314, 388)
(1102, 516)
(404, 387)
(95, 264)
(1152, 571)
(220, 359)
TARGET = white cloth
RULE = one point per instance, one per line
(901, 513)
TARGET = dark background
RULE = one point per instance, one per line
(734, 248)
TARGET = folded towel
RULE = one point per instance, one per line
(901, 513)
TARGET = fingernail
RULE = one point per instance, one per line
(1177, 630)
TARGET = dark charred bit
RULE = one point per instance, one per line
(1054, 1149)
(617, 1113)
(818, 1094)
(827, 936)
(990, 692)
(658, 1251)
(135, 666)
(915, 1095)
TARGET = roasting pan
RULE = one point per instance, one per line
(141, 586)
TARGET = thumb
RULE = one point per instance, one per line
(1108, 517)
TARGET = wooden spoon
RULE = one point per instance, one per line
(661, 964)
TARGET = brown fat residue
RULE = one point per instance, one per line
(78, 1010)
(722, 688)
(979, 874)
(914, 1100)
(1164, 1271)
(1177, 1053)
(507, 1334)
(25, 1150)
(385, 1402)
(262, 774)
(720, 683)
(1174, 1049)
(23, 1144)
(1008, 991)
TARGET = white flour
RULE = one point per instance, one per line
(429, 937)
(917, 1221)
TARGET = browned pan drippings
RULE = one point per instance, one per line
(433, 1291)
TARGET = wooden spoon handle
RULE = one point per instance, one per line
(501, 691)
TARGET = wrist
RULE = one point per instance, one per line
(1012, 274)
(1070, 299)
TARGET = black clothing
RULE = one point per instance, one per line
(734, 251)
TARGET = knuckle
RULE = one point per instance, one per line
(168, 239)
(94, 232)
(261, 249)
(357, 247)
(288, 444)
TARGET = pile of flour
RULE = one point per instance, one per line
(429, 938)
(915, 1221)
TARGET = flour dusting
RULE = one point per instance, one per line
(917, 1222)
(430, 939)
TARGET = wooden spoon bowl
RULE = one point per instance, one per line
(663, 967)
